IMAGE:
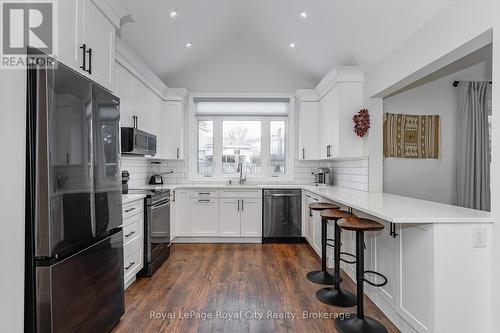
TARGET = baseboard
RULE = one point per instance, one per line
(243, 240)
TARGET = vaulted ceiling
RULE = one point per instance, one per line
(243, 46)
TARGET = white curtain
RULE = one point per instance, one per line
(473, 150)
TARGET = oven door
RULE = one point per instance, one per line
(158, 228)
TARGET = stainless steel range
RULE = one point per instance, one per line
(156, 227)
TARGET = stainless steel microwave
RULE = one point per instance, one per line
(137, 142)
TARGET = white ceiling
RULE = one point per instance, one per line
(241, 45)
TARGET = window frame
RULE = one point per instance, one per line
(218, 175)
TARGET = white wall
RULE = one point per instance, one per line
(12, 134)
(430, 179)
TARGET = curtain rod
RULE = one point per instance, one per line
(455, 83)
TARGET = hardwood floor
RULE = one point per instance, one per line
(225, 279)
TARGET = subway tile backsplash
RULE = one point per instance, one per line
(351, 173)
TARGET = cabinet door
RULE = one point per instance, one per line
(181, 208)
(172, 136)
(204, 217)
(308, 131)
(99, 35)
(306, 212)
(70, 33)
(229, 223)
(329, 111)
(384, 260)
(251, 218)
(138, 102)
(414, 275)
(316, 232)
(124, 82)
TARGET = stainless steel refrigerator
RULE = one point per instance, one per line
(74, 246)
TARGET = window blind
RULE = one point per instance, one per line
(242, 107)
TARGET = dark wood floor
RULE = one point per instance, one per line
(206, 278)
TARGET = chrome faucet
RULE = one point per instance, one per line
(242, 179)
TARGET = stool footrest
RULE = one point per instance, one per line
(349, 255)
(374, 283)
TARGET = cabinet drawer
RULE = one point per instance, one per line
(132, 246)
(203, 193)
(246, 194)
(131, 263)
(132, 208)
(133, 229)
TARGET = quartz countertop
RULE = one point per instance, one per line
(389, 207)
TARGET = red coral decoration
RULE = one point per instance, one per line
(361, 122)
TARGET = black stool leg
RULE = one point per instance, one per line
(336, 296)
(358, 323)
(322, 276)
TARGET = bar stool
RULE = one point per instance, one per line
(335, 295)
(359, 323)
(322, 276)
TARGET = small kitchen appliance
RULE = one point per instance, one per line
(125, 179)
(321, 176)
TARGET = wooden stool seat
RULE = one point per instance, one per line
(335, 214)
(323, 206)
(359, 224)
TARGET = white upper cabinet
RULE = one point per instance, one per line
(99, 36)
(71, 33)
(124, 89)
(87, 41)
(308, 122)
(172, 130)
(325, 125)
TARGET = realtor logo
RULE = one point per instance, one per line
(27, 23)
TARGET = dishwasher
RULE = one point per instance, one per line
(282, 216)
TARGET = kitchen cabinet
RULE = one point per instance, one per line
(230, 218)
(181, 209)
(337, 107)
(87, 41)
(307, 217)
(308, 134)
(172, 130)
(133, 240)
(240, 217)
(124, 90)
(414, 275)
(251, 218)
(204, 217)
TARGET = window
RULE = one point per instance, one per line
(277, 147)
(253, 134)
(241, 144)
(205, 147)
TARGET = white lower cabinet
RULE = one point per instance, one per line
(217, 214)
(230, 218)
(133, 240)
(251, 218)
(204, 217)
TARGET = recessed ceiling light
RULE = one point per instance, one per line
(292, 45)
(173, 14)
(303, 15)
(188, 45)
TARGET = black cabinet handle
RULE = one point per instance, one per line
(130, 265)
(328, 151)
(89, 51)
(178, 153)
(129, 210)
(392, 230)
(303, 154)
(84, 53)
(242, 208)
(129, 234)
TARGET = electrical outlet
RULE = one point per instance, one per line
(479, 237)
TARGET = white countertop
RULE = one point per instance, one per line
(389, 207)
(399, 209)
